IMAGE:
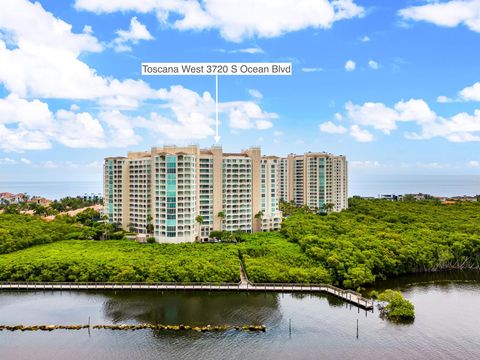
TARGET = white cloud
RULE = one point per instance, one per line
(444, 99)
(43, 61)
(462, 127)
(49, 164)
(331, 128)
(255, 93)
(473, 163)
(365, 39)
(431, 165)
(248, 115)
(28, 23)
(471, 93)
(8, 161)
(250, 50)
(94, 165)
(366, 164)
(127, 94)
(21, 140)
(360, 135)
(376, 115)
(278, 133)
(448, 14)
(120, 128)
(31, 126)
(87, 29)
(235, 19)
(193, 114)
(24, 125)
(373, 64)
(182, 114)
(338, 116)
(133, 35)
(25, 161)
(383, 118)
(350, 65)
(79, 130)
(312, 69)
(29, 115)
(415, 110)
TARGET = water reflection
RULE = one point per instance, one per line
(323, 327)
(193, 308)
(444, 279)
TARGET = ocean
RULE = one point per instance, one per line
(363, 185)
(53, 189)
(437, 185)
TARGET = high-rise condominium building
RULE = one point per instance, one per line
(319, 180)
(182, 194)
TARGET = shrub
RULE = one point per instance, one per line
(151, 240)
(398, 307)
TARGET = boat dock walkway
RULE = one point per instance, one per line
(347, 295)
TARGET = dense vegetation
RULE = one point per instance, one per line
(372, 240)
(53, 208)
(18, 231)
(268, 257)
(375, 239)
(74, 203)
(121, 261)
(398, 308)
(22, 231)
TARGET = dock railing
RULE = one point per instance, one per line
(347, 295)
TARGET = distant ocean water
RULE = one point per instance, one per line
(363, 185)
(53, 189)
(437, 185)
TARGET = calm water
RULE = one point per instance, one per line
(437, 185)
(363, 185)
(53, 189)
(447, 325)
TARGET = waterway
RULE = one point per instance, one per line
(447, 324)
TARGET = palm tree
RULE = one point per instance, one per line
(199, 219)
(149, 226)
(221, 216)
(258, 216)
(328, 207)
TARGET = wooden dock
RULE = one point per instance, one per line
(347, 295)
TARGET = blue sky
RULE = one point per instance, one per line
(394, 85)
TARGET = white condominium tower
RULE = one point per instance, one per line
(319, 180)
(182, 194)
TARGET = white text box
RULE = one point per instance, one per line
(255, 69)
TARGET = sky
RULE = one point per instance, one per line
(393, 85)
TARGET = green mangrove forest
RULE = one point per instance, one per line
(372, 240)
